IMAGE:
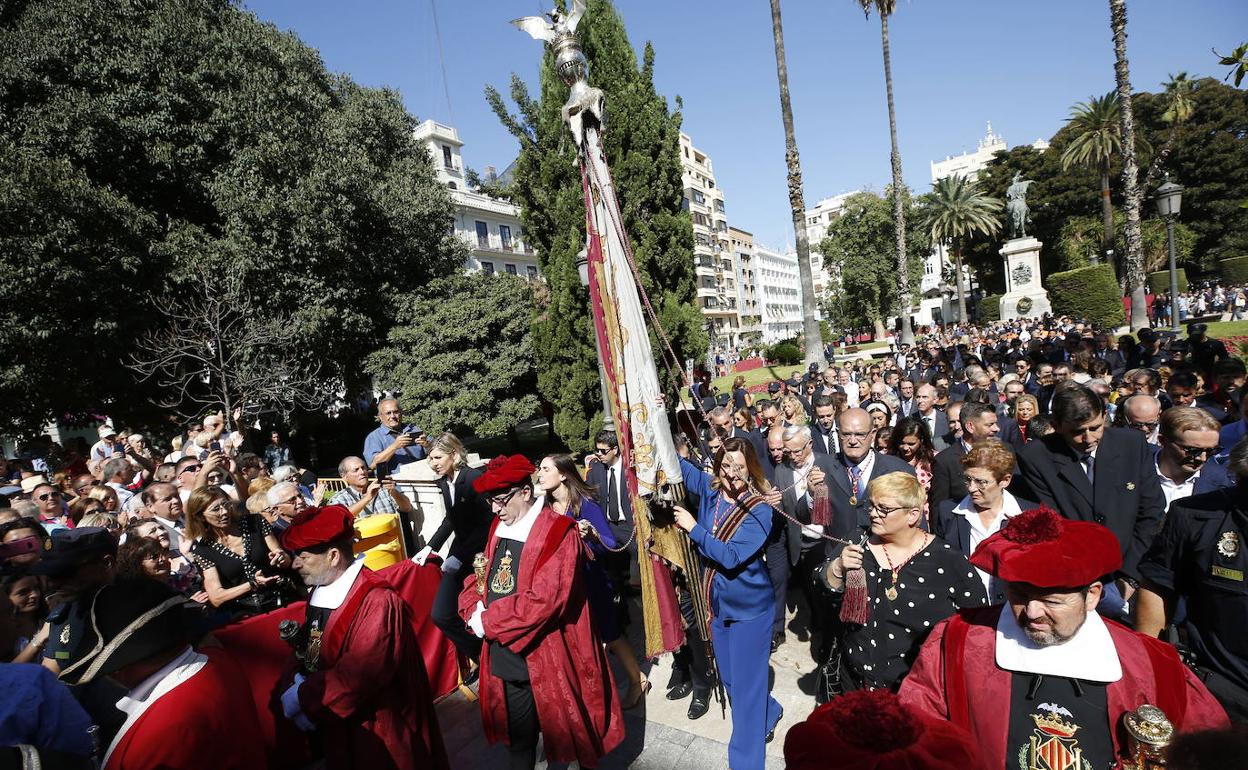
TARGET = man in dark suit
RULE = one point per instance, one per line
(823, 431)
(1113, 357)
(858, 465)
(905, 398)
(606, 475)
(720, 419)
(1088, 472)
(1186, 458)
(937, 423)
(1022, 367)
(979, 422)
(1061, 373)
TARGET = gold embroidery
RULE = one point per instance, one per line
(504, 582)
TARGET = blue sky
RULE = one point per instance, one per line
(956, 65)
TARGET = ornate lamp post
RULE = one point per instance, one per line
(1169, 199)
(582, 270)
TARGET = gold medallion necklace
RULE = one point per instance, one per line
(891, 591)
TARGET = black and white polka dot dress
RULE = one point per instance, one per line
(933, 585)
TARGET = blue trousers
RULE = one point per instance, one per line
(742, 651)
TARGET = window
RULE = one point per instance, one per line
(699, 218)
(511, 269)
(698, 197)
(451, 186)
(531, 271)
(504, 235)
(487, 268)
(483, 235)
(446, 157)
(719, 205)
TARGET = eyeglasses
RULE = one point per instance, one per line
(1147, 426)
(191, 469)
(92, 483)
(500, 500)
(600, 451)
(978, 483)
(49, 496)
(884, 510)
(1192, 452)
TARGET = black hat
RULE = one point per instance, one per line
(773, 387)
(66, 550)
(129, 621)
(814, 367)
(1197, 328)
(1146, 334)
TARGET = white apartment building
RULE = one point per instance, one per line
(817, 221)
(489, 226)
(779, 293)
(715, 263)
(939, 298)
(749, 310)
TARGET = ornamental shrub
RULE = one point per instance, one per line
(1090, 293)
(1234, 270)
(785, 353)
(1159, 281)
(989, 309)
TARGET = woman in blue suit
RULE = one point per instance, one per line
(730, 531)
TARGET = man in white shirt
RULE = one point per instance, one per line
(1185, 460)
(117, 473)
(164, 504)
(935, 420)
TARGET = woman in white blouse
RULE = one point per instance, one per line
(988, 468)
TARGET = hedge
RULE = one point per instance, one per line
(1159, 281)
(989, 309)
(1090, 293)
(785, 353)
(1234, 270)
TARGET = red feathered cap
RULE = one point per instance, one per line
(869, 729)
(318, 526)
(503, 472)
(1042, 548)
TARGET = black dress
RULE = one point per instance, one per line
(930, 587)
(235, 570)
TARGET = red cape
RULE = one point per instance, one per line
(185, 726)
(547, 620)
(370, 700)
(956, 677)
(265, 658)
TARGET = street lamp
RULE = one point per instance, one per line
(582, 270)
(1169, 200)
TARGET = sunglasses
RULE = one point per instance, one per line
(600, 451)
(191, 469)
(1193, 452)
(49, 496)
(502, 500)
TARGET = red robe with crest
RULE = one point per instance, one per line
(956, 677)
(547, 621)
(370, 700)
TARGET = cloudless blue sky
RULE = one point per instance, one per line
(956, 65)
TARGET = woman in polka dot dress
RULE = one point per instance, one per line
(914, 580)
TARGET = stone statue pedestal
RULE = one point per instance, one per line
(1024, 296)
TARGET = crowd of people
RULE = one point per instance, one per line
(1025, 533)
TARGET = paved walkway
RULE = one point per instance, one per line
(659, 734)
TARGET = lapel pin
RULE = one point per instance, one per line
(1130, 485)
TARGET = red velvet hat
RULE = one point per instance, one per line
(503, 472)
(1042, 548)
(869, 729)
(318, 526)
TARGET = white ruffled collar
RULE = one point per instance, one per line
(1089, 655)
(519, 530)
(332, 595)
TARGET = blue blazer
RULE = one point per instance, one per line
(1214, 474)
(741, 588)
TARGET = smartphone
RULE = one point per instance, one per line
(380, 474)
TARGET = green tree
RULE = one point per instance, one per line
(797, 198)
(905, 289)
(238, 154)
(642, 140)
(461, 355)
(1097, 142)
(1081, 236)
(858, 248)
(954, 211)
(1133, 196)
(1237, 61)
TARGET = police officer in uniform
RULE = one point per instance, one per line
(1199, 557)
(77, 563)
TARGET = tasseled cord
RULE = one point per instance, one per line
(856, 605)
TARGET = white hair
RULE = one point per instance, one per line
(793, 431)
(280, 491)
(284, 472)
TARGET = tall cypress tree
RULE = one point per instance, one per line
(642, 140)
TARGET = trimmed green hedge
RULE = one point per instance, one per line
(785, 353)
(1234, 270)
(989, 309)
(1159, 281)
(1090, 293)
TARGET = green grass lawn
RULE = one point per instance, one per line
(1223, 329)
(768, 373)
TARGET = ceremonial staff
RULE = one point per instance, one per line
(620, 309)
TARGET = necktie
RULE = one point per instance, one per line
(855, 476)
(613, 503)
(1088, 462)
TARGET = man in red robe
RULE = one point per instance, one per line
(363, 686)
(184, 707)
(1043, 675)
(543, 667)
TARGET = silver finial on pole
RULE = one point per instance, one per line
(559, 30)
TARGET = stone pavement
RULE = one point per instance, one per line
(659, 735)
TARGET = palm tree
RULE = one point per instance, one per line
(955, 211)
(797, 199)
(1097, 142)
(1180, 102)
(885, 8)
(1131, 193)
